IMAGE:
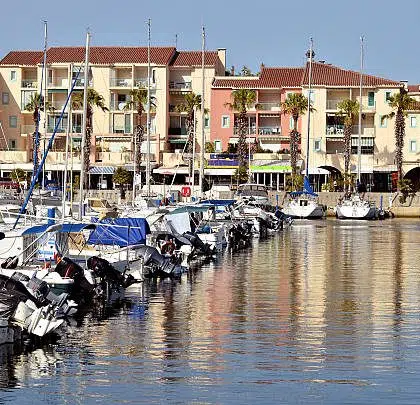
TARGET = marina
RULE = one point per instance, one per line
(283, 321)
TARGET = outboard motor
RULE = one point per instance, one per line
(82, 288)
(198, 244)
(158, 263)
(107, 273)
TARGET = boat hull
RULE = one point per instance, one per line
(308, 210)
(355, 212)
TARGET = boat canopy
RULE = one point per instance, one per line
(63, 228)
(119, 231)
(218, 203)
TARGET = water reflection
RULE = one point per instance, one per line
(325, 312)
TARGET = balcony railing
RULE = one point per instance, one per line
(269, 130)
(142, 82)
(268, 106)
(180, 85)
(366, 131)
(332, 104)
(77, 129)
(338, 130)
(121, 82)
(249, 130)
(60, 130)
(30, 83)
(114, 157)
(81, 82)
(27, 129)
(117, 129)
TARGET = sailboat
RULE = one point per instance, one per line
(354, 205)
(304, 204)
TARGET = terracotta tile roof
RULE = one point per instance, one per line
(104, 55)
(414, 88)
(25, 58)
(235, 82)
(193, 58)
(278, 77)
(329, 75)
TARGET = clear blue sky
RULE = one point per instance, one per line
(275, 32)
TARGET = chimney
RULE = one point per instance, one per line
(221, 53)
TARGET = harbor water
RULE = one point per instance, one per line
(325, 312)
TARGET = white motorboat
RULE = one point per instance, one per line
(355, 207)
(257, 193)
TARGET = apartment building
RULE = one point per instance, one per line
(114, 72)
(329, 85)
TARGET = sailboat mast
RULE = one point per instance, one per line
(45, 93)
(311, 44)
(203, 136)
(148, 112)
(82, 158)
(359, 140)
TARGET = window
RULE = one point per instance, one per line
(413, 122)
(12, 121)
(367, 146)
(206, 122)
(154, 76)
(217, 146)
(371, 99)
(383, 121)
(12, 144)
(413, 146)
(225, 121)
(317, 145)
(13, 75)
(5, 98)
(387, 96)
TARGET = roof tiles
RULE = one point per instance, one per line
(22, 58)
(194, 58)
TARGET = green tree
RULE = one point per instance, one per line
(400, 103)
(36, 105)
(138, 102)
(295, 105)
(246, 71)
(242, 100)
(122, 177)
(190, 104)
(210, 147)
(94, 100)
(349, 109)
(18, 175)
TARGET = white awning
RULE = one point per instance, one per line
(219, 172)
(234, 141)
(385, 169)
(317, 170)
(171, 170)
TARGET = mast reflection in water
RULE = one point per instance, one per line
(325, 312)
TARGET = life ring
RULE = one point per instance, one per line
(186, 191)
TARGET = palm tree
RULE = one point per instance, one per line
(35, 105)
(191, 103)
(349, 109)
(94, 99)
(400, 103)
(296, 104)
(138, 101)
(242, 100)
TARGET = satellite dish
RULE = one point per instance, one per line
(121, 106)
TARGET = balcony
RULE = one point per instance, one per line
(13, 156)
(332, 104)
(182, 86)
(268, 106)
(121, 82)
(81, 82)
(269, 130)
(60, 130)
(338, 131)
(249, 130)
(142, 83)
(30, 83)
(60, 157)
(77, 129)
(114, 157)
(121, 129)
(27, 129)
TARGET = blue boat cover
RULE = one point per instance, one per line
(218, 202)
(65, 228)
(307, 189)
(119, 231)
